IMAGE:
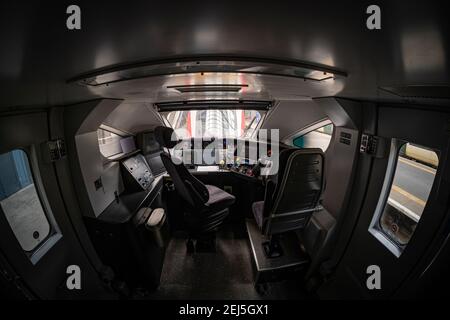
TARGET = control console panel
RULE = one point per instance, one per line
(138, 168)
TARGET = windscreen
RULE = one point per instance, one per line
(214, 123)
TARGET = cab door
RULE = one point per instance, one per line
(405, 204)
(38, 245)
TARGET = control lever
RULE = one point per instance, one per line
(257, 168)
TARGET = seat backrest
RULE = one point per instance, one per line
(297, 191)
(192, 190)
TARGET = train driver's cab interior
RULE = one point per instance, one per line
(167, 160)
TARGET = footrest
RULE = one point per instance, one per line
(291, 263)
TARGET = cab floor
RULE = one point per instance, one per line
(224, 275)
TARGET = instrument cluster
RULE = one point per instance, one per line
(242, 166)
(242, 169)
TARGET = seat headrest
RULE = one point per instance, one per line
(166, 137)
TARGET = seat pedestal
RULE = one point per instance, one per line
(290, 264)
(272, 248)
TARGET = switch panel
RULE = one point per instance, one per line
(139, 170)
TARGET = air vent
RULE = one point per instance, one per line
(209, 88)
(345, 138)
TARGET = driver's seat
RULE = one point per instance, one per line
(206, 206)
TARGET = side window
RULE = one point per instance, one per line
(319, 138)
(20, 202)
(410, 178)
(113, 145)
(109, 143)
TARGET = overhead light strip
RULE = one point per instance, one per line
(209, 64)
(209, 88)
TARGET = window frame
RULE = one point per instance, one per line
(254, 133)
(54, 234)
(113, 154)
(375, 227)
(117, 132)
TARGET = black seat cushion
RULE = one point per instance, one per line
(218, 199)
(258, 212)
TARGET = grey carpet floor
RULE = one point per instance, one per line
(224, 275)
